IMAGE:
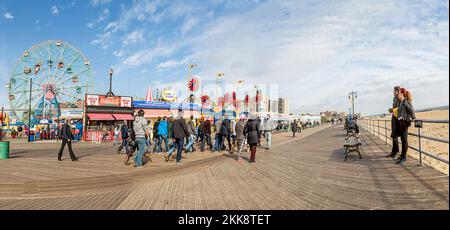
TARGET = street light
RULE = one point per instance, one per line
(352, 96)
(110, 93)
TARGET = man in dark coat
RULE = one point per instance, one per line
(253, 133)
(395, 123)
(206, 131)
(124, 133)
(294, 127)
(66, 136)
(225, 132)
(180, 131)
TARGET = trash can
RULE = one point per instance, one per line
(4, 150)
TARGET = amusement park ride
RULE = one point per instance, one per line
(47, 76)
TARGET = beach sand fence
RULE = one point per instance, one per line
(432, 138)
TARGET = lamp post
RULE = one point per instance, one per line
(352, 96)
(29, 110)
(110, 93)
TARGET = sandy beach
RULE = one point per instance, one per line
(432, 130)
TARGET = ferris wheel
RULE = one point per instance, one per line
(59, 75)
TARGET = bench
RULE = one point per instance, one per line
(351, 144)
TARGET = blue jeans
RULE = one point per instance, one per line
(148, 144)
(172, 148)
(206, 138)
(140, 141)
(180, 143)
(156, 144)
(189, 146)
(161, 138)
(217, 142)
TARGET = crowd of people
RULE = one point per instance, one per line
(170, 136)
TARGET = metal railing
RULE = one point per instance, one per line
(372, 125)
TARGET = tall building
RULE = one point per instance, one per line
(283, 106)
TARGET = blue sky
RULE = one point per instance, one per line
(315, 51)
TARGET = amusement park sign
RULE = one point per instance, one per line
(102, 100)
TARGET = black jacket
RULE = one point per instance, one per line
(124, 131)
(66, 132)
(206, 129)
(180, 129)
(252, 131)
(225, 127)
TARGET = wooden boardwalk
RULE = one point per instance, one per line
(307, 172)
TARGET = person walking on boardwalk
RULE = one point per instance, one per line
(116, 135)
(294, 127)
(155, 136)
(225, 132)
(162, 134)
(139, 127)
(124, 133)
(191, 137)
(406, 115)
(180, 131)
(148, 137)
(395, 123)
(269, 126)
(240, 137)
(217, 137)
(252, 132)
(206, 130)
(66, 137)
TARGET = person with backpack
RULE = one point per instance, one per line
(124, 133)
(406, 115)
(294, 128)
(66, 136)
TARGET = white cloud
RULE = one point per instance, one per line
(320, 52)
(188, 25)
(119, 53)
(133, 38)
(54, 10)
(99, 2)
(147, 56)
(8, 15)
(101, 18)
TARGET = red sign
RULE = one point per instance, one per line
(109, 101)
(102, 100)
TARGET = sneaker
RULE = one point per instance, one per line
(139, 167)
(401, 160)
(179, 163)
(166, 158)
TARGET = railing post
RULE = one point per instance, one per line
(385, 131)
(378, 122)
(420, 147)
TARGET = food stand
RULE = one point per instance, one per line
(103, 113)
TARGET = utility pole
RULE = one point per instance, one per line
(352, 96)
